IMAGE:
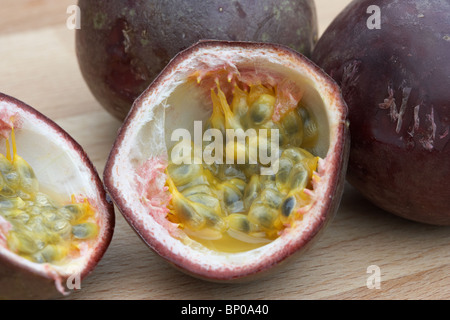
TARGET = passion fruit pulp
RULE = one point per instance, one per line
(41, 229)
(195, 216)
(230, 203)
(123, 45)
(395, 80)
(55, 221)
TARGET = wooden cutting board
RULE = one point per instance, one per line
(38, 65)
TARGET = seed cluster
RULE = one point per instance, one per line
(42, 230)
(223, 201)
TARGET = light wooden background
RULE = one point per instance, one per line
(38, 65)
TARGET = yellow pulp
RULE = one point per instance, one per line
(232, 207)
(42, 230)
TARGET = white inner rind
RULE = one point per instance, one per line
(61, 172)
(176, 103)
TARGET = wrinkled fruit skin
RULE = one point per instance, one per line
(122, 46)
(396, 82)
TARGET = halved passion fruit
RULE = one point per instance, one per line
(233, 159)
(55, 221)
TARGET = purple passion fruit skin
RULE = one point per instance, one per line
(122, 46)
(396, 82)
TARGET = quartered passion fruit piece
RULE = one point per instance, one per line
(232, 160)
(55, 220)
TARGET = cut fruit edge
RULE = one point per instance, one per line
(46, 145)
(135, 145)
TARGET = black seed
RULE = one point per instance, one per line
(251, 191)
(271, 198)
(204, 199)
(299, 177)
(71, 212)
(245, 226)
(262, 215)
(304, 114)
(212, 219)
(291, 123)
(287, 206)
(231, 195)
(284, 171)
(184, 173)
(260, 113)
(83, 230)
(187, 212)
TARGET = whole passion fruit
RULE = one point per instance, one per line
(123, 45)
(396, 82)
(232, 160)
(55, 221)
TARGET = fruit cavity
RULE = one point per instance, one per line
(36, 226)
(233, 203)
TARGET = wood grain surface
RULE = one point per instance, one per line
(38, 66)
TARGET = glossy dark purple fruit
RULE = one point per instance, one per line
(123, 45)
(396, 82)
